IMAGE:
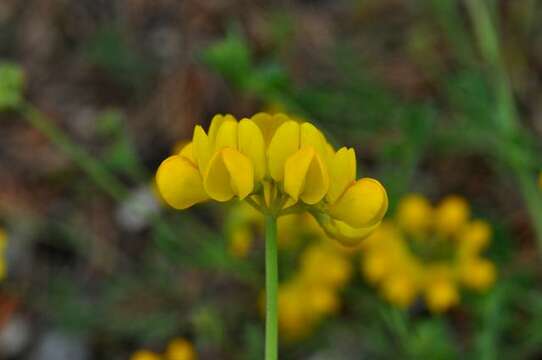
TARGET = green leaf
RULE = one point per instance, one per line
(11, 86)
(230, 57)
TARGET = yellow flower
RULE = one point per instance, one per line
(145, 355)
(375, 266)
(450, 216)
(322, 300)
(474, 237)
(414, 214)
(279, 166)
(295, 320)
(302, 306)
(478, 273)
(400, 289)
(428, 252)
(441, 294)
(180, 349)
(240, 242)
(324, 266)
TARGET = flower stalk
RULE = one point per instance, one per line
(271, 288)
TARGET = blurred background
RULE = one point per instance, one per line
(438, 97)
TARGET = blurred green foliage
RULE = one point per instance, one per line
(11, 86)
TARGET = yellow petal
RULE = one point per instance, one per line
(216, 123)
(311, 136)
(201, 148)
(316, 181)
(305, 176)
(269, 124)
(187, 152)
(251, 144)
(241, 172)
(226, 136)
(284, 143)
(179, 182)
(217, 179)
(363, 204)
(350, 236)
(342, 173)
(295, 171)
(229, 173)
(329, 153)
(346, 234)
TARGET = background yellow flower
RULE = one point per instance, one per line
(429, 251)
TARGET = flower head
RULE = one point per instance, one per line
(429, 251)
(279, 166)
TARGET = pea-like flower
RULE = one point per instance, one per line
(279, 166)
(430, 252)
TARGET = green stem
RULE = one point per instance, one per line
(94, 169)
(533, 200)
(507, 120)
(271, 288)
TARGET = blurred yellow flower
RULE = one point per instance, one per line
(310, 294)
(295, 321)
(428, 251)
(279, 166)
(477, 273)
(451, 214)
(440, 295)
(302, 306)
(180, 349)
(177, 349)
(145, 355)
(240, 242)
(414, 214)
(321, 265)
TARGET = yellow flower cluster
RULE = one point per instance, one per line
(313, 293)
(177, 349)
(429, 251)
(3, 248)
(279, 166)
